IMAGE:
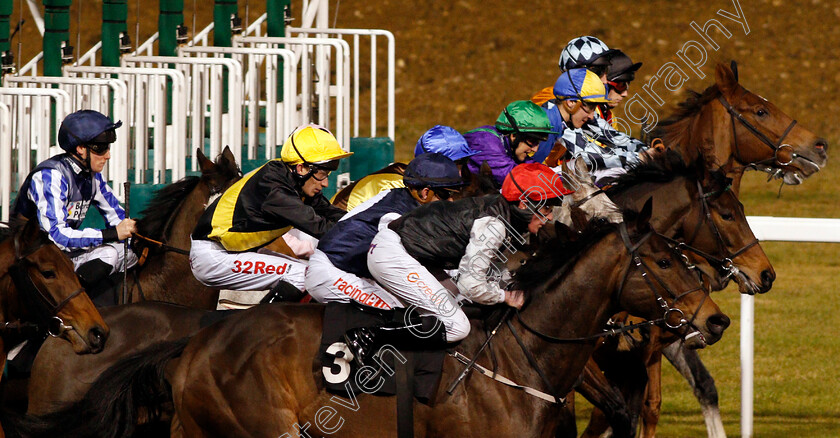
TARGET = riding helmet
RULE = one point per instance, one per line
(86, 126)
(445, 140)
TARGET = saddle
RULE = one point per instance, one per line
(341, 376)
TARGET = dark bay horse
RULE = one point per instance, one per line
(710, 219)
(165, 276)
(737, 130)
(252, 373)
(170, 218)
(40, 295)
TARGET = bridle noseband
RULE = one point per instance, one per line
(726, 263)
(46, 310)
(777, 146)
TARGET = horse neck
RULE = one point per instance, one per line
(577, 305)
(672, 203)
(9, 303)
(709, 135)
(167, 275)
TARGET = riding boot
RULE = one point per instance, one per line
(283, 291)
(92, 275)
(423, 333)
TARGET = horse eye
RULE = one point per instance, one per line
(761, 112)
(48, 274)
(727, 216)
(664, 263)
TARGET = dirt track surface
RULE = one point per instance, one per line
(459, 62)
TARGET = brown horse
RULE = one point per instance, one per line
(711, 222)
(40, 294)
(737, 130)
(170, 219)
(251, 374)
(165, 276)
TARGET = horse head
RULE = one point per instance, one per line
(720, 228)
(764, 135)
(43, 289)
(658, 285)
(587, 197)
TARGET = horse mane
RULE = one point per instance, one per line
(554, 255)
(163, 206)
(10, 228)
(674, 130)
(660, 168)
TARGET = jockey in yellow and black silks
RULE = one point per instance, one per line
(262, 206)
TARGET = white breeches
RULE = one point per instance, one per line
(111, 253)
(398, 273)
(215, 267)
(327, 283)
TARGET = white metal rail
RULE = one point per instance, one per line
(200, 72)
(784, 229)
(147, 90)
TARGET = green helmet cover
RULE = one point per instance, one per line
(523, 116)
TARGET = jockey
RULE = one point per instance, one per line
(581, 52)
(518, 131)
(59, 191)
(263, 206)
(442, 139)
(621, 72)
(577, 95)
(338, 270)
(468, 234)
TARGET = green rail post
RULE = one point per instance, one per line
(56, 31)
(278, 11)
(6, 8)
(114, 18)
(171, 16)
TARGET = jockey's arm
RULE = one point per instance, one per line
(49, 193)
(478, 278)
(283, 206)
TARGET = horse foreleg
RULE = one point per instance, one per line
(567, 426)
(653, 394)
(688, 363)
(603, 395)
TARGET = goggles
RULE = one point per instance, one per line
(445, 193)
(619, 87)
(99, 148)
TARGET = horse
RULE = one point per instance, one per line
(711, 225)
(40, 295)
(165, 228)
(735, 129)
(164, 241)
(51, 390)
(270, 349)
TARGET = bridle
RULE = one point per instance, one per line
(636, 263)
(724, 263)
(775, 146)
(46, 309)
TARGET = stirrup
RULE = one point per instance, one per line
(360, 341)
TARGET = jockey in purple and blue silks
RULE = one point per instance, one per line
(59, 191)
(513, 139)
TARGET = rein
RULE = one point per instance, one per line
(161, 245)
(776, 147)
(46, 308)
(632, 249)
(726, 263)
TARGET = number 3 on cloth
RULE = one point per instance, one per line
(339, 370)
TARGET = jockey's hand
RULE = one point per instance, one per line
(126, 228)
(515, 298)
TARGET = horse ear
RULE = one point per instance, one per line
(578, 218)
(485, 169)
(203, 162)
(227, 154)
(643, 220)
(29, 232)
(581, 169)
(725, 79)
(563, 232)
(734, 67)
